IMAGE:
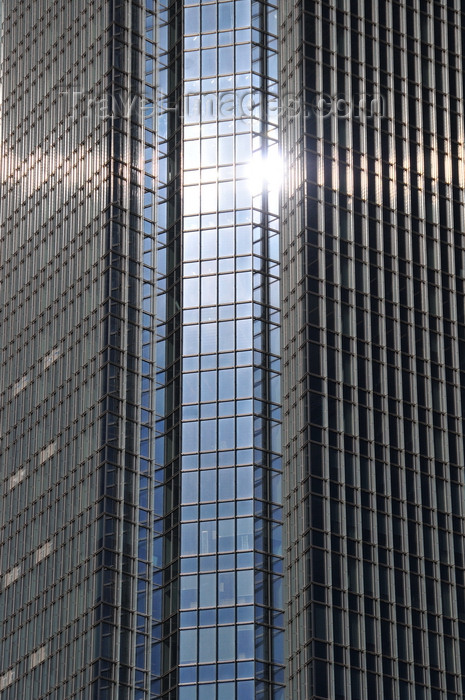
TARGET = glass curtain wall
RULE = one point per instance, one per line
(77, 362)
(218, 357)
(373, 349)
(54, 186)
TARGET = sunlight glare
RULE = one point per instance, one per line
(266, 172)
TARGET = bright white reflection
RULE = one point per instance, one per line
(266, 172)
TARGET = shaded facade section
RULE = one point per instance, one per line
(75, 455)
(373, 349)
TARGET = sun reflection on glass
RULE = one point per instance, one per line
(266, 172)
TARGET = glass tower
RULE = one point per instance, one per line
(374, 355)
(140, 351)
(78, 334)
(218, 382)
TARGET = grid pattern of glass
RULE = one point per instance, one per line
(219, 427)
(168, 354)
(374, 348)
(128, 361)
(76, 353)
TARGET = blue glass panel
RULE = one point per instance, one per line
(207, 586)
(190, 488)
(245, 482)
(226, 485)
(188, 692)
(208, 62)
(226, 434)
(190, 437)
(208, 18)
(191, 343)
(208, 386)
(207, 644)
(189, 591)
(246, 690)
(226, 535)
(244, 432)
(226, 592)
(208, 537)
(189, 537)
(226, 643)
(244, 334)
(244, 380)
(226, 16)
(245, 532)
(188, 646)
(192, 64)
(208, 435)
(226, 691)
(208, 485)
(226, 336)
(245, 642)
(207, 692)
(226, 384)
(242, 13)
(207, 618)
(245, 586)
(192, 20)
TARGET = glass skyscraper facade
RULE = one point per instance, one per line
(78, 335)
(373, 336)
(140, 351)
(218, 429)
(158, 307)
